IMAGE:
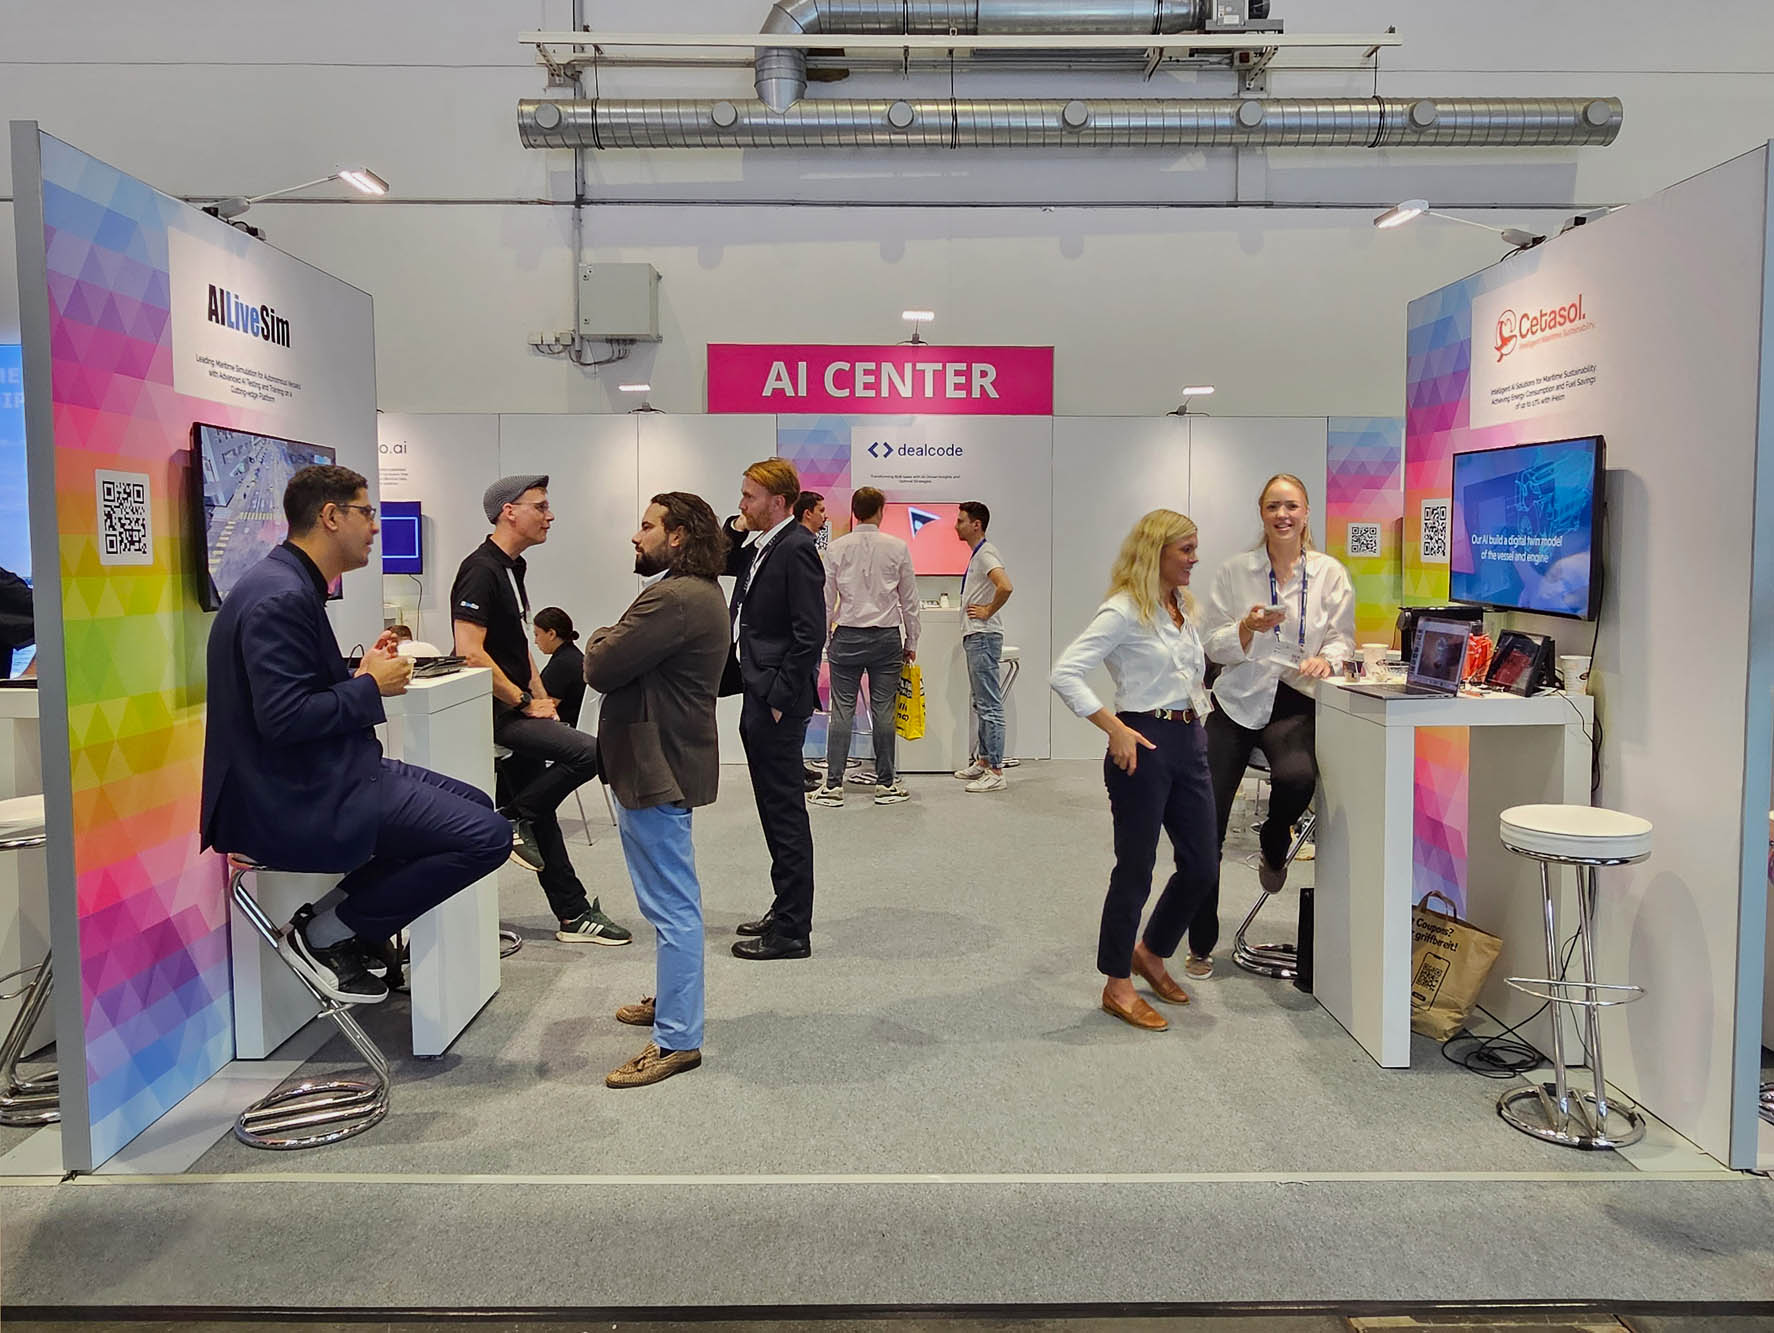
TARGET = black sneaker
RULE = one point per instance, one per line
(338, 971)
(523, 846)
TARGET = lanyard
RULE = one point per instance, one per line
(970, 555)
(523, 602)
(1275, 598)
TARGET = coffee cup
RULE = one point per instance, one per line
(1575, 670)
(1373, 657)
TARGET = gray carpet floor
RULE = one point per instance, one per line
(947, 1024)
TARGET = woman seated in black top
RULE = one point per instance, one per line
(563, 675)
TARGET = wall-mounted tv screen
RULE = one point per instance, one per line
(929, 529)
(402, 552)
(1527, 528)
(241, 477)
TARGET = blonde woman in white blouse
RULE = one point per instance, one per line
(1281, 616)
(1156, 766)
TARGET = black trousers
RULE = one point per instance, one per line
(1289, 743)
(773, 754)
(549, 761)
(1168, 791)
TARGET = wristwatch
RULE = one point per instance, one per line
(524, 700)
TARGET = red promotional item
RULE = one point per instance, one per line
(1478, 658)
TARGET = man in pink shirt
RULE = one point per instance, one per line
(871, 597)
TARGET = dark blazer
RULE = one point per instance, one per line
(658, 669)
(563, 676)
(783, 632)
(289, 751)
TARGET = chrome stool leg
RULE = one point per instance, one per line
(313, 1112)
(1279, 959)
(1555, 1111)
(509, 942)
(35, 1100)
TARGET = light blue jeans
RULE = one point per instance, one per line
(662, 865)
(983, 654)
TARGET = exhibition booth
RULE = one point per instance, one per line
(175, 370)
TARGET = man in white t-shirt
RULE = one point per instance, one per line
(984, 590)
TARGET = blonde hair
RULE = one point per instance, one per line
(1135, 571)
(778, 476)
(1262, 495)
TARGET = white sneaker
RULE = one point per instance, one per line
(987, 781)
(972, 771)
(891, 793)
(832, 796)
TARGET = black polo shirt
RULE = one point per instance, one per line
(483, 595)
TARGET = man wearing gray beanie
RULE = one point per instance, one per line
(549, 760)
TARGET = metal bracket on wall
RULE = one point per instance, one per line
(1252, 68)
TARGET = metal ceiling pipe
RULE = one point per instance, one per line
(1136, 123)
(782, 71)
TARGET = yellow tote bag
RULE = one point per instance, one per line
(908, 708)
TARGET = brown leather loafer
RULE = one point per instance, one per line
(652, 1066)
(1163, 986)
(637, 1015)
(1139, 1014)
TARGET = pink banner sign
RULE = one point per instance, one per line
(907, 378)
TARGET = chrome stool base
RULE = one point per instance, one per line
(1584, 1124)
(37, 1100)
(509, 942)
(1278, 960)
(314, 1112)
(1766, 1104)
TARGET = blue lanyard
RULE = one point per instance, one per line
(1275, 598)
(982, 541)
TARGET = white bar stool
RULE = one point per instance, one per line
(35, 1100)
(1582, 837)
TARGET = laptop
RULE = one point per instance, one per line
(1436, 666)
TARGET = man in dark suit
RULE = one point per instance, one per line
(659, 668)
(778, 618)
(293, 775)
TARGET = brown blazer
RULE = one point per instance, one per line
(658, 669)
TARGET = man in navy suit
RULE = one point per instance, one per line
(293, 775)
(778, 615)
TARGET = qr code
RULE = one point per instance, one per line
(126, 525)
(1436, 516)
(1364, 539)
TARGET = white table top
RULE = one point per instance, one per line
(433, 694)
(15, 702)
(1551, 708)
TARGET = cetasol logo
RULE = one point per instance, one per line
(1515, 330)
(256, 321)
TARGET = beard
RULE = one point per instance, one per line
(647, 564)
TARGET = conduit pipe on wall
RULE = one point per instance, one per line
(782, 71)
(1154, 123)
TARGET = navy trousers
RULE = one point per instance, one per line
(773, 754)
(435, 837)
(1169, 792)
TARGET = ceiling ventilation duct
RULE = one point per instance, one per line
(782, 71)
(1150, 123)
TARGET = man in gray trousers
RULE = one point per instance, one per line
(659, 668)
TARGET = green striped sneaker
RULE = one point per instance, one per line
(592, 927)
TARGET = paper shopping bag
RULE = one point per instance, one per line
(1450, 960)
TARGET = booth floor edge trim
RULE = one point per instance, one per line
(1610, 1177)
(367, 1315)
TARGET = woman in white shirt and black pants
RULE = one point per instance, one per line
(1156, 767)
(1267, 653)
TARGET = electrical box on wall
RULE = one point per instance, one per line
(619, 301)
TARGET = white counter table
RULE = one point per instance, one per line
(446, 724)
(24, 881)
(1523, 751)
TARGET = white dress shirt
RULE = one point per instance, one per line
(870, 583)
(757, 553)
(1153, 666)
(1246, 688)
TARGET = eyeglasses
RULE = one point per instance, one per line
(540, 506)
(368, 511)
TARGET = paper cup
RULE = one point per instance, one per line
(1373, 657)
(1575, 670)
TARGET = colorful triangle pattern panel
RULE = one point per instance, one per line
(154, 978)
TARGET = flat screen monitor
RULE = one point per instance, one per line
(1527, 528)
(241, 479)
(929, 529)
(402, 552)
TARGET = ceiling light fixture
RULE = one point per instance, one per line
(916, 318)
(642, 389)
(1191, 391)
(361, 179)
(1411, 209)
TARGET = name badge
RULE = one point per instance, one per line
(1266, 647)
